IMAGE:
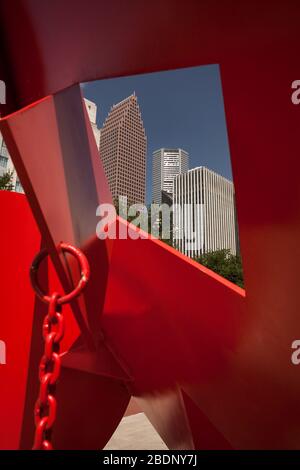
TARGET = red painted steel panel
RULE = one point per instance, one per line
(20, 239)
(184, 319)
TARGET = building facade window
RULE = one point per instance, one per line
(19, 187)
(3, 161)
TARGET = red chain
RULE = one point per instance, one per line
(53, 332)
(49, 370)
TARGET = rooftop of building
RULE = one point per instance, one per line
(167, 149)
(132, 96)
(205, 168)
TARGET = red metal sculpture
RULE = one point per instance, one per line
(209, 364)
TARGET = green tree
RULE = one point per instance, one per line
(6, 181)
(224, 263)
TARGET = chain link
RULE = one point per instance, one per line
(49, 371)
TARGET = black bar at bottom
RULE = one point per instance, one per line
(133, 459)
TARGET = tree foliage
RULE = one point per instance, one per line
(224, 263)
(6, 181)
(122, 209)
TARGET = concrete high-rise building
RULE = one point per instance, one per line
(204, 213)
(6, 164)
(123, 146)
(92, 112)
(167, 163)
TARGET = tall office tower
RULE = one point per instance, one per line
(6, 164)
(167, 163)
(204, 213)
(123, 147)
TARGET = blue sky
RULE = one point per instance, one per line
(180, 108)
